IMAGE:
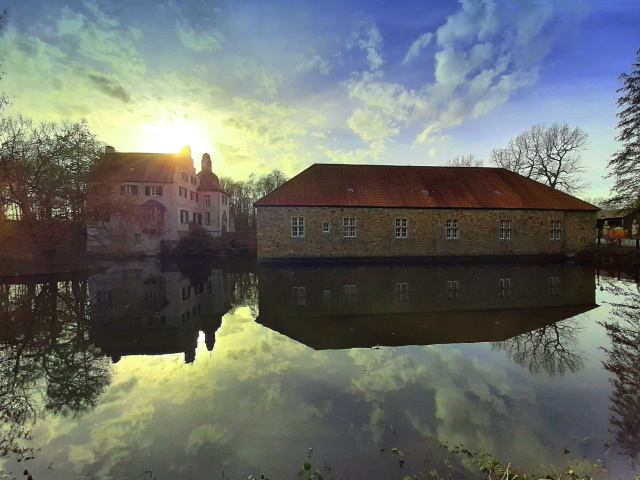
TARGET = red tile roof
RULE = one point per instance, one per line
(338, 185)
(139, 167)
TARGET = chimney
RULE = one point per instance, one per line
(109, 149)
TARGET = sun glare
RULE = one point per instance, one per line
(170, 137)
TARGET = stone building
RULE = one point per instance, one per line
(144, 203)
(355, 211)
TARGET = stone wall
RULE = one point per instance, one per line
(478, 234)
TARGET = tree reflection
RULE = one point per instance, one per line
(550, 349)
(623, 329)
(47, 364)
(245, 293)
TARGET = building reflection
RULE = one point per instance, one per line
(149, 308)
(339, 307)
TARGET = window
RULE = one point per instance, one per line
(129, 189)
(453, 287)
(137, 238)
(157, 320)
(555, 229)
(505, 288)
(185, 177)
(297, 226)
(349, 227)
(153, 191)
(325, 227)
(224, 222)
(186, 292)
(152, 214)
(554, 286)
(193, 180)
(207, 200)
(326, 296)
(207, 218)
(401, 228)
(298, 296)
(197, 218)
(453, 233)
(184, 216)
(225, 200)
(182, 192)
(505, 229)
(349, 295)
(192, 195)
(401, 292)
(104, 297)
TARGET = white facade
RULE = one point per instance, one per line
(149, 202)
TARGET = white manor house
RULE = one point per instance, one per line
(144, 203)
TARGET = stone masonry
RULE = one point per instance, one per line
(478, 232)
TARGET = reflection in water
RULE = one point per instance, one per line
(47, 363)
(551, 349)
(623, 329)
(149, 308)
(365, 306)
(260, 400)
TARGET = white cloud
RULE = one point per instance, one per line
(367, 37)
(315, 63)
(423, 41)
(197, 39)
(372, 126)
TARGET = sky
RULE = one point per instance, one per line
(262, 84)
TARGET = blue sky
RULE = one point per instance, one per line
(281, 84)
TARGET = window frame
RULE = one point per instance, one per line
(297, 227)
(505, 230)
(452, 229)
(207, 200)
(402, 227)
(129, 189)
(555, 230)
(326, 227)
(349, 227)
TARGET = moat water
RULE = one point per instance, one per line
(151, 370)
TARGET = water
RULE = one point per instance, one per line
(172, 371)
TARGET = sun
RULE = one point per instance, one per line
(169, 136)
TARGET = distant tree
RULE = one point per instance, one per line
(464, 161)
(4, 100)
(43, 168)
(607, 203)
(244, 193)
(624, 166)
(549, 155)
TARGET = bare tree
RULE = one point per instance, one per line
(244, 193)
(4, 100)
(549, 155)
(464, 161)
(43, 168)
